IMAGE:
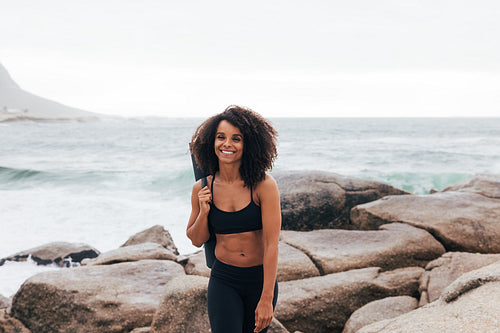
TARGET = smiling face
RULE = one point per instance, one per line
(228, 143)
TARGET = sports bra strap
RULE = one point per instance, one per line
(212, 186)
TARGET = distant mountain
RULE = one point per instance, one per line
(19, 105)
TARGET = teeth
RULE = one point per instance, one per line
(227, 152)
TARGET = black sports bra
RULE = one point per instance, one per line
(243, 220)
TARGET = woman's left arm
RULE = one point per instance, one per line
(269, 197)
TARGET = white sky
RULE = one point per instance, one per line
(359, 58)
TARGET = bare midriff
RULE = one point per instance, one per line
(243, 249)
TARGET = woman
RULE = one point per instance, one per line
(241, 205)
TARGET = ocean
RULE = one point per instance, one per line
(101, 182)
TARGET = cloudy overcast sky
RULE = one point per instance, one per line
(282, 58)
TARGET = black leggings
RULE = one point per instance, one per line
(233, 294)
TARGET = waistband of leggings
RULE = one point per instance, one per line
(226, 271)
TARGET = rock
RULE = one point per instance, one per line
(196, 265)
(141, 330)
(323, 304)
(313, 200)
(471, 280)
(395, 245)
(470, 304)
(184, 307)
(155, 234)
(5, 302)
(443, 271)
(11, 325)
(277, 327)
(386, 308)
(483, 184)
(60, 253)
(132, 253)
(111, 298)
(293, 264)
(461, 221)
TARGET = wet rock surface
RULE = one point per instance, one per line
(60, 253)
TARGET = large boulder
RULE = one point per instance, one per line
(5, 302)
(196, 264)
(324, 303)
(461, 221)
(111, 298)
(386, 308)
(393, 246)
(484, 184)
(132, 253)
(184, 306)
(470, 304)
(293, 264)
(155, 234)
(313, 200)
(443, 271)
(11, 325)
(60, 253)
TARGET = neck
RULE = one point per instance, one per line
(229, 172)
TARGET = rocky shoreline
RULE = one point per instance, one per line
(354, 256)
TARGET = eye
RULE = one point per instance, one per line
(220, 137)
(237, 139)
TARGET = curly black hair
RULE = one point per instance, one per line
(259, 143)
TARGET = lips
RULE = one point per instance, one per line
(227, 152)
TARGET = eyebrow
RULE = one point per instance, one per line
(240, 135)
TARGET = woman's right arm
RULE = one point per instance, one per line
(197, 228)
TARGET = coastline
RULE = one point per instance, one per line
(364, 248)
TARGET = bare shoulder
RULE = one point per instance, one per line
(267, 187)
(266, 183)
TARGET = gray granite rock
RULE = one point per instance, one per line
(132, 253)
(11, 325)
(294, 264)
(5, 302)
(60, 253)
(313, 200)
(395, 245)
(155, 234)
(324, 304)
(441, 272)
(375, 311)
(184, 306)
(461, 221)
(484, 184)
(102, 298)
(196, 264)
(470, 304)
